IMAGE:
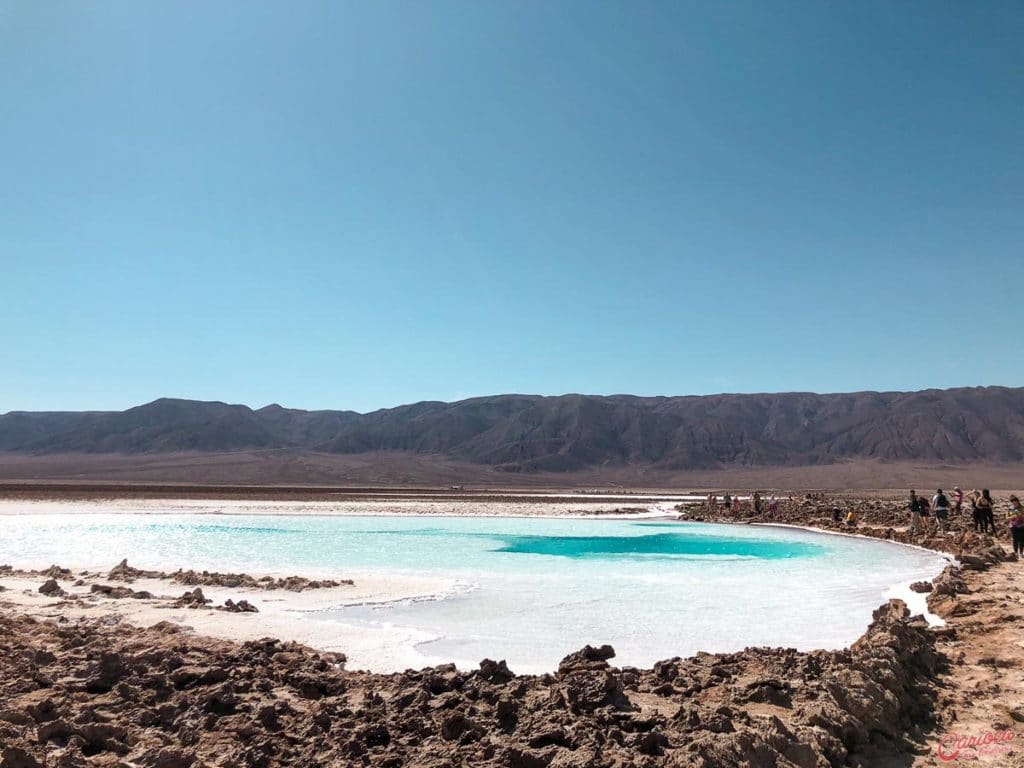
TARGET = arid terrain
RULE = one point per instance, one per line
(300, 469)
(622, 435)
(863, 440)
(80, 690)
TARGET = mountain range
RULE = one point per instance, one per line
(529, 433)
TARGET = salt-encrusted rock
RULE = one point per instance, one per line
(947, 585)
(119, 593)
(242, 580)
(56, 572)
(193, 599)
(124, 572)
(242, 606)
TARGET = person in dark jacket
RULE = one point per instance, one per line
(915, 512)
(940, 505)
(987, 509)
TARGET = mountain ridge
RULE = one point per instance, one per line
(565, 433)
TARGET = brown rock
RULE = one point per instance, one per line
(495, 671)
(587, 657)
(15, 757)
(51, 588)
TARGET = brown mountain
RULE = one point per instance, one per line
(525, 433)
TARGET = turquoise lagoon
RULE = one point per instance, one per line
(525, 589)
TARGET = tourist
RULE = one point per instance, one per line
(941, 506)
(987, 512)
(1017, 526)
(837, 515)
(712, 504)
(773, 505)
(757, 503)
(727, 502)
(851, 519)
(958, 500)
(976, 514)
(915, 512)
(926, 512)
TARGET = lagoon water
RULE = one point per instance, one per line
(526, 589)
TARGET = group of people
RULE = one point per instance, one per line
(941, 506)
(983, 516)
(734, 504)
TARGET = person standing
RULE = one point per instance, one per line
(987, 512)
(757, 503)
(976, 517)
(926, 512)
(940, 505)
(727, 502)
(915, 512)
(773, 505)
(1017, 526)
(958, 500)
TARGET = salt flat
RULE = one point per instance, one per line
(450, 581)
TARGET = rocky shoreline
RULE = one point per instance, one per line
(86, 692)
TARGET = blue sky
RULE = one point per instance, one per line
(361, 204)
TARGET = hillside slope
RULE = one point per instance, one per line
(569, 432)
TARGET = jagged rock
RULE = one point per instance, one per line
(51, 588)
(193, 599)
(587, 657)
(456, 725)
(215, 702)
(124, 572)
(375, 735)
(921, 586)
(242, 606)
(949, 583)
(15, 757)
(168, 757)
(110, 669)
(242, 580)
(119, 593)
(56, 572)
(495, 671)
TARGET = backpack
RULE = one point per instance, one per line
(941, 501)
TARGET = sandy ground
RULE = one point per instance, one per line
(983, 692)
(394, 470)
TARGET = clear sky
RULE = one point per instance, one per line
(361, 204)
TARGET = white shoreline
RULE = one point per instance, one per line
(917, 602)
(500, 507)
(280, 612)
